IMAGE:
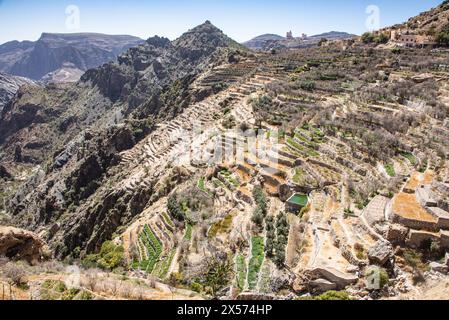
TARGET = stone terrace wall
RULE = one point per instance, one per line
(415, 224)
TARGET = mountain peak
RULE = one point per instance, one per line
(206, 27)
(205, 35)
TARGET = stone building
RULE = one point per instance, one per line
(411, 40)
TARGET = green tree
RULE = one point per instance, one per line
(382, 38)
(442, 37)
(174, 208)
(218, 274)
(368, 37)
(110, 257)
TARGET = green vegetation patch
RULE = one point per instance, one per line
(300, 148)
(414, 259)
(230, 178)
(330, 295)
(57, 290)
(298, 176)
(260, 212)
(163, 266)
(167, 220)
(221, 226)
(264, 282)
(410, 157)
(188, 233)
(202, 186)
(153, 248)
(255, 263)
(109, 258)
(240, 271)
(390, 170)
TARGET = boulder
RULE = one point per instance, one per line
(438, 267)
(340, 279)
(380, 253)
(353, 269)
(322, 285)
(20, 244)
(422, 77)
(4, 173)
(280, 280)
(446, 259)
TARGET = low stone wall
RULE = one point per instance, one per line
(375, 211)
(444, 239)
(424, 197)
(315, 174)
(246, 169)
(244, 197)
(397, 234)
(325, 165)
(415, 224)
(286, 154)
(226, 182)
(303, 189)
(444, 187)
(270, 179)
(283, 161)
(350, 165)
(345, 248)
(441, 215)
(417, 238)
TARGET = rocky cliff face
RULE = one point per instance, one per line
(159, 62)
(76, 132)
(36, 59)
(9, 86)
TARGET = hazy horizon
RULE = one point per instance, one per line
(241, 21)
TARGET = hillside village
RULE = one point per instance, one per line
(302, 174)
(429, 29)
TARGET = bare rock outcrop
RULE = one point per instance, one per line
(439, 267)
(322, 285)
(20, 244)
(8, 87)
(4, 173)
(340, 279)
(380, 253)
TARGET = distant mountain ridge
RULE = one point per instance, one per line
(274, 41)
(259, 42)
(34, 60)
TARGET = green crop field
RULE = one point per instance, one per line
(255, 263)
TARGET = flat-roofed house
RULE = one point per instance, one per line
(412, 40)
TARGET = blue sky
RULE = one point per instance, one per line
(240, 19)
